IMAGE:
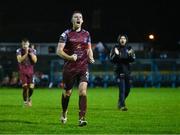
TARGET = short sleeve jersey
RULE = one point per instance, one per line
(27, 66)
(76, 43)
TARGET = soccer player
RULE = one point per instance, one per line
(75, 48)
(26, 58)
(121, 56)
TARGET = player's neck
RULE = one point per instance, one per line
(77, 29)
(25, 48)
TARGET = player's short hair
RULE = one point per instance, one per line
(76, 11)
(25, 40)
(120, 35)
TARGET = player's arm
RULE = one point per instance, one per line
(114, 58)
(22, 58)
(131, 55)
(33, 57)
(90, 54)
(60, 52)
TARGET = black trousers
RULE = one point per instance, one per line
(123, 82)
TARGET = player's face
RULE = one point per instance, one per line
(25, 44)
(77, 20)
(123, 40)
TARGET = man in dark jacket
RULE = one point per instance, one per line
(121, 56)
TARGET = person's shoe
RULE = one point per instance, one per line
(25, 103)
(63, 118)
(30, 103)
(82, 122)
(123, 108)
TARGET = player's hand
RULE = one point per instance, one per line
(116, 51)
(91, 60)
(26, 51)
(31, 54)
(74, 57)
(130, 52)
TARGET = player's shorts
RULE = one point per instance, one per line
(26, 78)
(69, 78)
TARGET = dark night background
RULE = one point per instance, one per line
(44, 21)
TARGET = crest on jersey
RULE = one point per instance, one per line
(85, 40)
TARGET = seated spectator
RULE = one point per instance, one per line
(44, 80)
(5, 81)
(1, 73)
(98, 81)
(102, 51)
(14, 80)
(37, 78)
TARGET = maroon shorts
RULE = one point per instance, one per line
(26, 78)
(69, 78)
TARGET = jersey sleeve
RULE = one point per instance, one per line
(18, 52)
(89, 39)
(63, 37)
(32, 51)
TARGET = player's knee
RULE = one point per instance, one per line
(68, 92)
(82, 88)
(82, 93)
(31, 86)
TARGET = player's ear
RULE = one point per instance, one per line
(71, 20)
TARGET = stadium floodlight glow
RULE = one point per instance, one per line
(151, 36)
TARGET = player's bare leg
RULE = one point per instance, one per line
(31, 87)
(25, 94)
(82, 103)
(64, 102)
(27, 97)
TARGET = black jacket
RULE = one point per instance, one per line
(122, 59)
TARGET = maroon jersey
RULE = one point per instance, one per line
(76, 43)
(27, 66)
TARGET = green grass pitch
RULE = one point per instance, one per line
(151, 111)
